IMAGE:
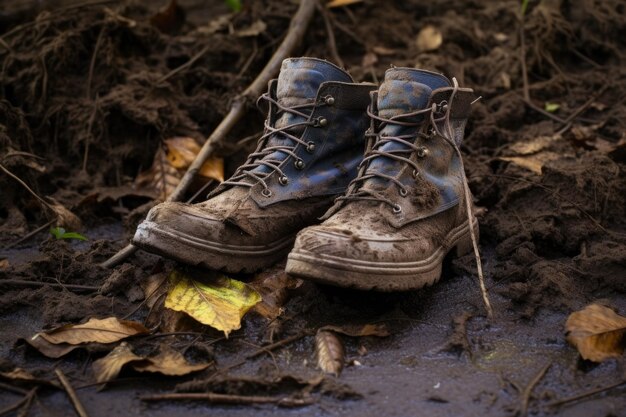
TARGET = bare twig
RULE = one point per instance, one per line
(78, 406)
(231, 399)
(92, 64)
(12, 175)
(24, 283)
(184, 66)
(13, 389)
(25, 401)
(522, 58)
(29, 235)
(332, 45)
(526, 394)
(585, 394)
(296, 31)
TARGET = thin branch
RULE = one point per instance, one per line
(12, 175)
(212, 397)
(526, 394)
(24, 283)
(92, 64)
(295, 33)
(585, 394)
(184, 66)
(26, 400)
(78, 406)
(332, 45)
(29, 235)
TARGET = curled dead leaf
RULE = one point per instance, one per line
(166, 362)
(330, 352)
(598, 332)
(533, 154)
(220, 302)
(428, 39)
(379, 330)
(107, 330)
(50, 350)
(273, 285)
(64, 217)
(24, 377)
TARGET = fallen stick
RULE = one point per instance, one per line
(231, 399)
(296, 31)
(25, 283)
(585, 394)
(78, 406)
(528, 391)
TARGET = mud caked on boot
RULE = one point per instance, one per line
(310, 151)
(410, 204)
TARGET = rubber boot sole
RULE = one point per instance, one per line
(191, 250)
(379, 276)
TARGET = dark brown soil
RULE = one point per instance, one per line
(89, 92)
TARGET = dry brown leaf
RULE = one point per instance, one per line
(341, 3)
(64, 217)
(381, 50)
(428, 39)
(23, 376)
(170, 165)
(169, 362)
(330, 352)
(166, 362)
(533, 163)
(379, 330)
(110, 366)
(255, 29)
(4, 264)
(169, 19)
(598, 332)
(50, 350)
(107, 330)
(273, 285)
(533, 154)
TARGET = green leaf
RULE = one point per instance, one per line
(524, 7)
(552, 107)
(60, 233)
(235, 5)
(73, 235)
(57, 232)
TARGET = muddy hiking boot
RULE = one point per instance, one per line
(309, 152)
(409, 205)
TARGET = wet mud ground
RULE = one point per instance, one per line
(551, 190)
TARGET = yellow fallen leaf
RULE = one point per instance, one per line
(429, 38)
(341, 3)
(598, 332)
(220, 303)
(107, 330)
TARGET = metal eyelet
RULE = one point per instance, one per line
(320, 122)
(397, 209)
(284, 180)
(299, 164)
(403, 192)
(422, 152)
(330, 100)
(442, 107)
(266, 192)
(415, 173)
(310, 147)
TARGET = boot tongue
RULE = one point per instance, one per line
(403, 91)
(298, 82)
